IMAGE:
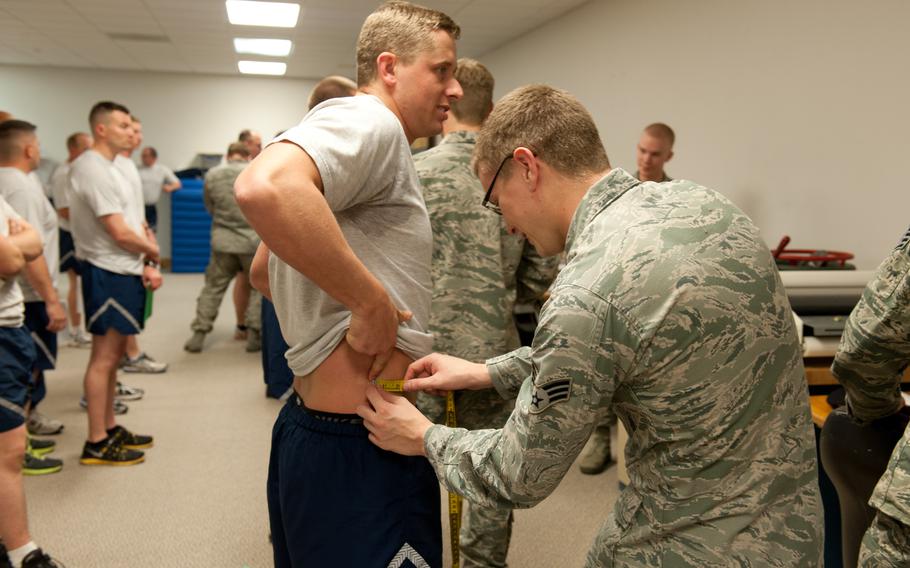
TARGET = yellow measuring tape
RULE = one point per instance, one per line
(397, 386)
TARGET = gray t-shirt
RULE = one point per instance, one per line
(25, 194)
(12, 310)
(98, 188)
(152, 179)
(60, 179)
(371, 186)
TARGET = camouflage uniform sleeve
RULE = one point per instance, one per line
(875, 348)
(207, 194)
(535, 274)
(582, 350)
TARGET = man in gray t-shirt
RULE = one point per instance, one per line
(338, 201)
(155, 178)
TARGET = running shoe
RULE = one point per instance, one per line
(109, 452)
(142, 364)
(129, 440)
(32, 465)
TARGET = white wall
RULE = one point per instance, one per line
(182, 114)
(797, 111)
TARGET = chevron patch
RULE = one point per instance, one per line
(545, 396)
(407, 552)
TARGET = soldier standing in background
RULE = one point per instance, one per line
(480, 270)
(234, 243)
(873, 354)
(671, 313)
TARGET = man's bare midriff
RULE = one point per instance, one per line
(339, 383)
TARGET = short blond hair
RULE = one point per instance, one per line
(661, 130)
(401, 28)
(477, 83)
(551, 123)
(331, 87)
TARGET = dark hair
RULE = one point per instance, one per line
(10, 133)
(245, 135)
(102, 110)
(152, 151)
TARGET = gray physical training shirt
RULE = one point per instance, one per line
(372, 188)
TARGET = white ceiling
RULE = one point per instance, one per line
(194, 36)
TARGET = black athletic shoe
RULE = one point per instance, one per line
(109, 452)
(129, 440)
(38, 447)
(4, 559)
(40, 559)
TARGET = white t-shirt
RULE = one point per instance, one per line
(60, 179)
(12, 310)
(98, 188)
(371, 186)
(130, 172)
(152, 180)
(25, 194)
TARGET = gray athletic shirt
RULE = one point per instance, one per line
(371, 186)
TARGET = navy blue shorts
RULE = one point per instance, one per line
(278, 376)
(335, 499)
(45, 341)
(112, 301)
(151, 216)
(17, 354)
(68, 260)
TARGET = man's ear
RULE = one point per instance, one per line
(386, 63)
(670, 156)
(529, 166)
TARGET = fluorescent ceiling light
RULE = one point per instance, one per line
(262, 67)
(271, 14)
(268, 47)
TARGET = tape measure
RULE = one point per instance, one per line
(397, 386)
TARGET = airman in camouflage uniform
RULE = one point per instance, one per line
(670, 312)
(234, 243)
(874, 352)
(479, 271)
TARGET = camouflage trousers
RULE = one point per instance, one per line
(485, 531)
(221, 270)
(886, 544)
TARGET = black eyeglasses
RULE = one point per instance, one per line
(494, 207)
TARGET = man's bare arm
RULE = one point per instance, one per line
(64, 213)
(171, 187)
(12, 260)
(24, 237)
(126, 238)
(280, 194)
(259, 271)
(39, 277)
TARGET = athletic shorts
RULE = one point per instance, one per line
(45, 341)
(68, 260)
(279, 379)
(151, 216)
(112, 301)
(335, 499)
(17, 354)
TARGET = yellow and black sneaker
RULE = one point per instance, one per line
(33, 465)
(38, 447)
(129, 440)
(109, 452)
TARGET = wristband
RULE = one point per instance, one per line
(152, 263)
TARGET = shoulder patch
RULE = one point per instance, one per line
(545, 396)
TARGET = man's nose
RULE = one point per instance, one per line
(454, 91)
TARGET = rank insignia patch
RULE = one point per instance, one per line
(545, 396)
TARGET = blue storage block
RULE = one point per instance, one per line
(191, 228)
